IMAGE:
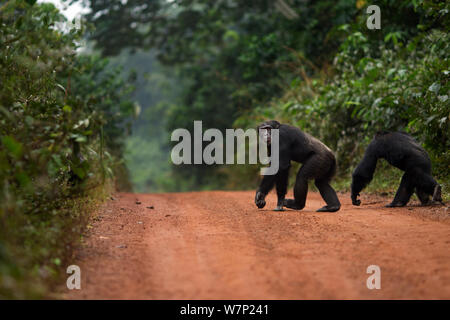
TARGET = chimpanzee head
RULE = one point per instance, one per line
(265, 128)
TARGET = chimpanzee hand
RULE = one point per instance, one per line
(259, 199)
(355, 200)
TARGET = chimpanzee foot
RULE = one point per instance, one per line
(437, 195)
(395, 204)
(279, 208)
(291, 204)
(329, 209)
(425, 203)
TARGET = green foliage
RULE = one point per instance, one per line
(230, 55)
(316, 61)
(387, 82)
(62, 114)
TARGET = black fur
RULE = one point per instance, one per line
(318, 161)
(403, 152)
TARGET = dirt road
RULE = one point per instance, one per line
(218, 245)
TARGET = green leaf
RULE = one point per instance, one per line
(57, 159)
(79, 172)
(23, 179)
(61, 87)
(435, 87)
(81, 138)
(13, 146)
(355, 103)
(431, 118)
(443, 98)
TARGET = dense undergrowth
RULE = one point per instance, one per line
(313, 64)
(395, 82)
(63, 120)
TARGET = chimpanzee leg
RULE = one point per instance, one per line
(281, 187)
(423, 196)
(329, 195)
(437, 194)
(424, 180)
(426, 186)
(306, 172)
(300, 192)
(404, 192)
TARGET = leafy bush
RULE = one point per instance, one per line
(62, 113)
(387, 83)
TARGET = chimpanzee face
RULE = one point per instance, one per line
(265, 130)
(265, 135)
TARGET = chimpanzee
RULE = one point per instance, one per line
(403, 152)
(318, 161)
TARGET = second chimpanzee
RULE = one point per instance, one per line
(318, 161)
(403, 152)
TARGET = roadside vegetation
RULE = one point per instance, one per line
(63, 120)
(394, 83)
(313, 64)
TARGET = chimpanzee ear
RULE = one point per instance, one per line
(271, 124)
(275, 124)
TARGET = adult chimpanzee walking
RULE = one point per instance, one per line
(318, 161)
(403, 152)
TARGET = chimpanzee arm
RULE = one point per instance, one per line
(266, 185)
(268, 181)
(363, 173)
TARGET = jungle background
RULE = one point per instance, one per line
(87, 106)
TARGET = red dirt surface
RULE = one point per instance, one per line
(218, 245)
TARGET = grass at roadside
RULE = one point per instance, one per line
(37, 247)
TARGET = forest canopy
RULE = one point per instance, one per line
(314, 64)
